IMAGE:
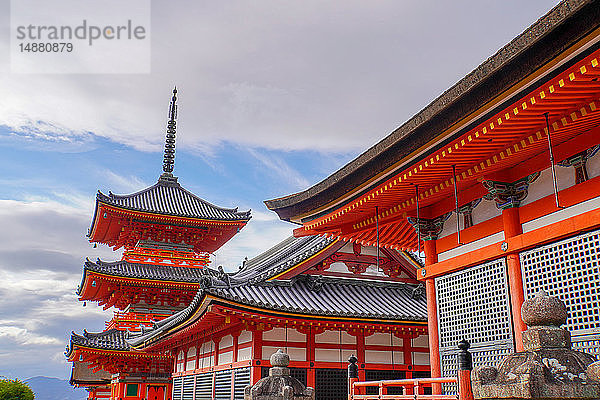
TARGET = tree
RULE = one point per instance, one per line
(14, 390)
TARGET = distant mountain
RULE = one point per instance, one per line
(54, 389)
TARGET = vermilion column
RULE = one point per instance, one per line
(310, 357)
(512, 227)
(432, 317)
(257, 337)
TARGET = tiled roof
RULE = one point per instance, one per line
(142, 271)
(169, 198)
(331, 297)
(111, 339)
(311, 296)
(281, 257)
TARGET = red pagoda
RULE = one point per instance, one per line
(167, 234)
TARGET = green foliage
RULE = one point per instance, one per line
(14, 390)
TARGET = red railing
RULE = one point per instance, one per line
(411, 389)
(414, 388)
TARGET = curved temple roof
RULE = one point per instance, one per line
(251, 286)
(167, 197)
(283, 256)
(310, 296)
(112, 339)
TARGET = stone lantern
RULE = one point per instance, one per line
(279, 385)
(547, 368)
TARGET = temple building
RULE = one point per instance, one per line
(319, 299)
(167, 234)
(496, 184)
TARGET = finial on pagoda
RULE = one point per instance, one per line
(169, 159)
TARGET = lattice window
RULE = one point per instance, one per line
(177, 388)
(188, 387)
(381, 375)
(474, 304)
(299, 373)
(241, 379)
(331, 384)
(204, 384)
(223, 385)
(570, 270)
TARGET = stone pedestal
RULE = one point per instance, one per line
(547, 368)
(279, 385)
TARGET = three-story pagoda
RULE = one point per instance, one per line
(167, 234)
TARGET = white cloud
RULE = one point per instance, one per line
(122, 183)
(308, 75)
(277, 167)
(24, 337)
(42, 249)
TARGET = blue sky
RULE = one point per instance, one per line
(273, 97)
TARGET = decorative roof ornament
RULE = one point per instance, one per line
(169, 158)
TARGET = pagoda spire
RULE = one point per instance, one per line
(169, 158)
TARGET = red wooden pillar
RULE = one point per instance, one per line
(360, 354)
(257, 339)
(407, 351)
(216, 353)
(311, 379)
(432, 317)
(512, 227)
(236, 346)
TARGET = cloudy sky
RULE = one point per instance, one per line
(274, 96)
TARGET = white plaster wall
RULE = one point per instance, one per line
(347, 248)
(420, 341)
(420, 358)
(267, 351)
(593, 166)
(274, 334)
(191, 351)
(296, 353)
(466, 248)
(295, 336)
(378, 338)
(449, 226)
(372, 271)
(206, 361)
(337, 267)
(280, 334)
(398, 357)
(245, 337)
(369, 250)
(226, 358)
(543, 185)
(206, 347)
(190, 365)
(334, 337)
(226, 341)
(486, 209)
(333, 355)
(244, 354)
(562, 215)
(378, 357)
